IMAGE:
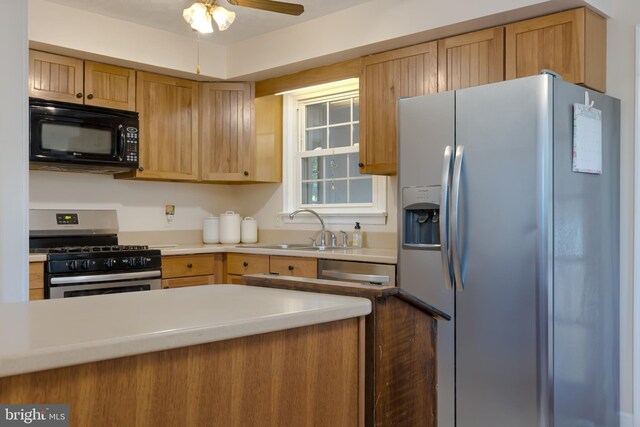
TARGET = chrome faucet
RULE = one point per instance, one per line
(323, 238)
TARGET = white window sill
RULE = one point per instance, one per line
(349, 218)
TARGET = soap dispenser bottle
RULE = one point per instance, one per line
(356, 239)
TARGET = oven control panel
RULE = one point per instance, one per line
(67, 218)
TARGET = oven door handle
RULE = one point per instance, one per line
(95, 278)
(334, 274)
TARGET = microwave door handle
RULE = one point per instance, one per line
(121, 142)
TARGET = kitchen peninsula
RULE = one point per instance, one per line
(208, 355)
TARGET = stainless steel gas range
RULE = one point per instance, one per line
(84, 257)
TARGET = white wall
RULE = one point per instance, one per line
(14, 195)
(98, 36)
(140, 204)
(621, 84)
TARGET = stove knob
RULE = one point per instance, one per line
(72, 265)
(110, 263)
(85, 264)
(139, 261)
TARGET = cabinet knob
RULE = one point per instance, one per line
(246, 264)
(246, 173)
(141, 169)
(79, 95)
(189, 265)
(165, 287)
(360, 165)
(291, 268)
(90, 96)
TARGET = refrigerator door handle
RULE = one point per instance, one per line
(444, 217)
(455, 211)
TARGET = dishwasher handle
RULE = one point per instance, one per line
(369, 278)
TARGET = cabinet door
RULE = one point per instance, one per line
(268, 154)
(384, 78)
(471, 59)
(168, 110)
(571, 43)
(55, 77)
(109, 86)
(227, 131)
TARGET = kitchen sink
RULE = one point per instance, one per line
(277, 246)
(292, 246)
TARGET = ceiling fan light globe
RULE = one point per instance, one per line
(198, 17)
(223, 17)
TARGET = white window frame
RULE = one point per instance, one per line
(365, 213)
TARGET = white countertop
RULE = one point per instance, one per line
(384, 256)
(48, 334)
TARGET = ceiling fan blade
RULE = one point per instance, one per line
(271, 6)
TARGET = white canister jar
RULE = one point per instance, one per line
(211, 229)
(249, 230)
(229, 227)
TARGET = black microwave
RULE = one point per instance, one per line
(81, 138)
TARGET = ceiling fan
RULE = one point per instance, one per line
(200, 14)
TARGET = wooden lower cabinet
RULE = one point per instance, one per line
(36, 280)
(234, 279)
(307, 376)
(192, 270)
(239, 264)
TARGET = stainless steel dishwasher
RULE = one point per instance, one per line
(358, 272)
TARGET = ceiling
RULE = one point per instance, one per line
(167, 15)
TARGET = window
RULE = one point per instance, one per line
(321, 171)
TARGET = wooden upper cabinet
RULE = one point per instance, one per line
(109, 86)
(571, 43)
(55, 77)
(60, 78)
(227, 134)
(471, 59)
(168, 110)
(384, 78)
(268, 160)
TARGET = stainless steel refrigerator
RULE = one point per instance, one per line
(496, 230)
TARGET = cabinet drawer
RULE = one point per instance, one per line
(190, 265)
(292, 266)
(181, 282)
(36, 275)
(247, 264)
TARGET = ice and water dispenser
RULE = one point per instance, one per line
(421, 217)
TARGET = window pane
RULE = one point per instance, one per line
(340, 111)
(356, 109)
(312, 193)
(312, 168)
(354, 170)
(316, 115)
(356, 133)
(340, 136)
(360, 190)
(336, 191)
(336, 166)
(316, 138)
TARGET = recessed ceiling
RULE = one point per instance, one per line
(167, 15)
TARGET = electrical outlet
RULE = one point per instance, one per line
(170, 212)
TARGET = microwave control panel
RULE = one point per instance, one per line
(131, 142)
